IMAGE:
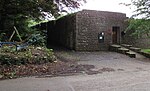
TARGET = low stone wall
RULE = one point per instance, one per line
(143, 42)
(145, 54)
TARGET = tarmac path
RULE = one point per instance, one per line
(117, 72)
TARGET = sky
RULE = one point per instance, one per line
(109, 5)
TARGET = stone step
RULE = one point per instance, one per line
(126, 45)
(114, 47)
(131, 54)
(123, 50)
(135, 49)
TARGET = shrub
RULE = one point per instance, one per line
(32, 55)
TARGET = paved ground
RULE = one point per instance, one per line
(126, 74)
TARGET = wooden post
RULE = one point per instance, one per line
(11, 36)
(18, 33)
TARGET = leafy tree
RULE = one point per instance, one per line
(143, 8)
(18, 12)
(140, 26)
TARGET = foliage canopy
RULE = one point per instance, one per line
(140, 26)
(18, 13)
(143, 8)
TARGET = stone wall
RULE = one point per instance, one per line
(143, 42)
(61, 31)
(90, 23)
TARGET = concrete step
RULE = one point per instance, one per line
(114, 48)
(135, 49)
(123, 50)
(126, 45)
(131, 54)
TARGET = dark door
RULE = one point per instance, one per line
(115, 35)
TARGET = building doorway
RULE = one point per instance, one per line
(115, 35)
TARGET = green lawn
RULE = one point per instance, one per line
(146, 50)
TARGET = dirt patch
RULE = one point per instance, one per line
(106, 70)
(57, 68)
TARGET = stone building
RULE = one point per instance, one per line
(87, 30)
